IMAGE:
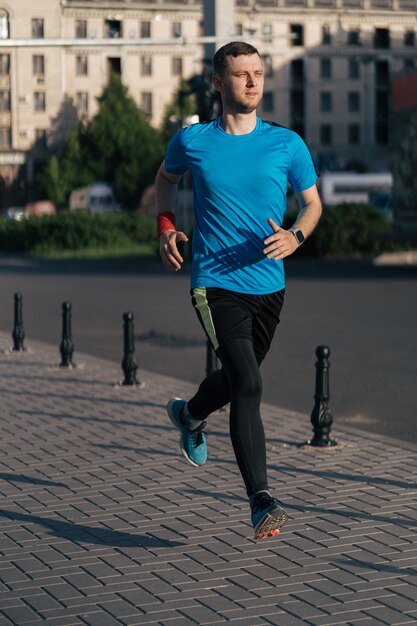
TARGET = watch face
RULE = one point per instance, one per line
(300, 236)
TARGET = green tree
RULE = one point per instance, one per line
(51, 181)
(117, 146)
(67, 169)
(182, 105)
(123, 147)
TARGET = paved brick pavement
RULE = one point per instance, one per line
(103, 523)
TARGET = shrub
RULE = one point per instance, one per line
(343, 231)
(347, 230)
(76, 231)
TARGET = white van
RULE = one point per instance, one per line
(350, 187)
(97, 198)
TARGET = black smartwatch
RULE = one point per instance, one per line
(298, 235)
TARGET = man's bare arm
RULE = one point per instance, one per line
(166, 187)
(282, 242)
(310, 212)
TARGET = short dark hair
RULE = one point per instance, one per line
(234, 49)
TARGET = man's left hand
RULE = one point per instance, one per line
(281, 244)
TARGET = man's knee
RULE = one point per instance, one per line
(240, 365)
(249, 385)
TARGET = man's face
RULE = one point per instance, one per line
(242, 85)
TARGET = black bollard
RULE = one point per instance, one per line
(212, 362)
(321, 418)
(129, 365)
(67, 347)
(18, 333)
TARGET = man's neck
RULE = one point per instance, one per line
(238, 123)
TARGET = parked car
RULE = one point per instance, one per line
(97, 198)
(36, 209)
(40, 208)
(351, 187)
(16, 213)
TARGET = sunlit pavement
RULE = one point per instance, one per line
(104, 523)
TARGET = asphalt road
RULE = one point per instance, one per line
(365, 314)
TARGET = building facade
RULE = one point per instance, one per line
(328, 67)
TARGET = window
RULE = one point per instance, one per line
(296, 106)
(238, 29)
(267, 62)
(326, 68)
(382, 73)
(381, 133)
(354, 102)
(81, 103)
(114, 66)
(381, 38)
(297, 34)
(297, 71)
(176, 66)
(326, 36)
(354, 37)
(39, 101)
(5, 138)
(326, 102)
(268, 101)
(409, 65)
(176, 29)
(382, 104)
(4, 64)
(353, 69)
(81, 65)
(409, 38)
(326, 133)
(146, 102)
(38, 65)
(81, 29)
(145, 30)
(4, 101)
(40, 138)
(4, 24)
(146, 66)
(37, 28)
(113, 29)
(267, 32)
(298, 127)
(354, 134)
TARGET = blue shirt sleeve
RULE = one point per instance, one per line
(303, 172)
(175, 158)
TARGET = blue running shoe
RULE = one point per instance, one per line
(192, 442)
(267, 516)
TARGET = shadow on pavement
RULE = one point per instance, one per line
(359, 478)
(352, 514)
(80, 533)
(100, 420)
(379, 567)
(30, 480)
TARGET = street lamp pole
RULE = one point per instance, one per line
(219, 24)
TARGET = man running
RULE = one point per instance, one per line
(240, 167)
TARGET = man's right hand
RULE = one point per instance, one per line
(168, 249)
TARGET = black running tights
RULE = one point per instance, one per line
(238, 382)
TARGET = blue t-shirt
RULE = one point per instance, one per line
(239, 181)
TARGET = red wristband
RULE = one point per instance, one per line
(165, 221)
